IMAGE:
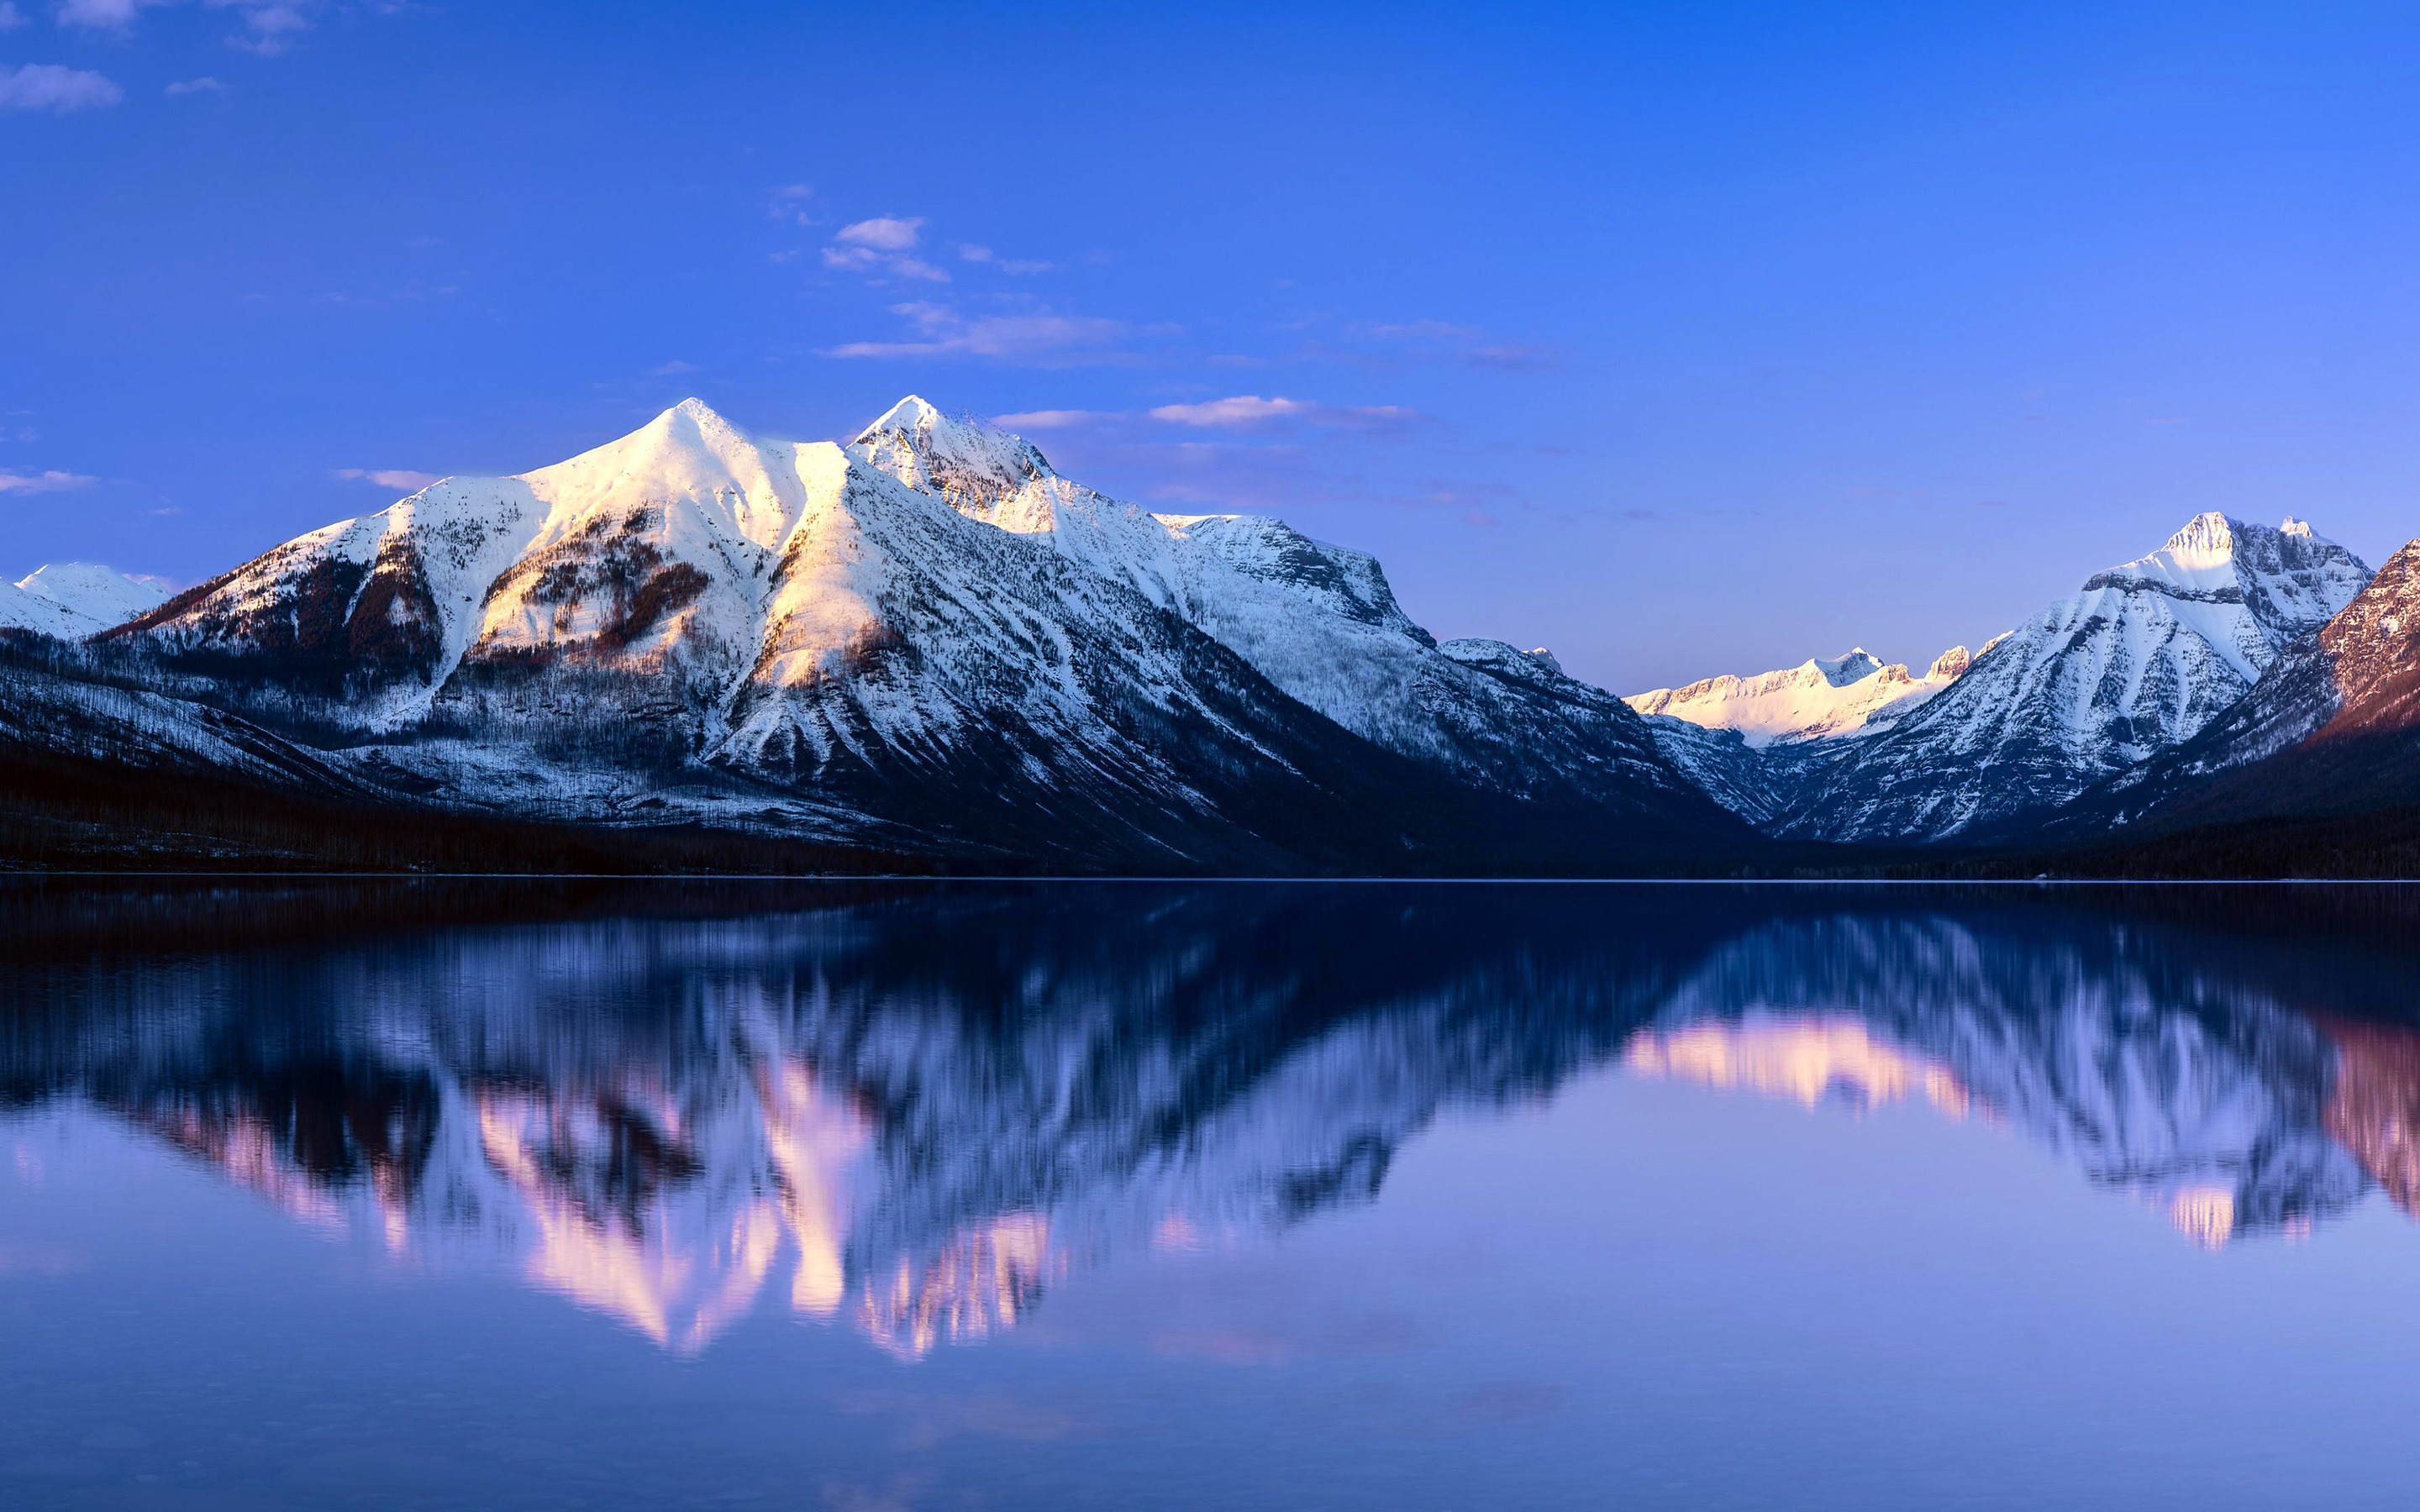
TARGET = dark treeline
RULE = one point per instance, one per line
(58, 815)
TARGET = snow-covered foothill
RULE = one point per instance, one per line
(70, 600)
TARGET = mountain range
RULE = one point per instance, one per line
(926, 648)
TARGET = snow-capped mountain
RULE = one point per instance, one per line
(2136, 662)
(1316, 620)
(925, 638)
(2332, 724)
(69, 600)
(1755, 744)
(1851, 695)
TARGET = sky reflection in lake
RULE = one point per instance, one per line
(397, 1195)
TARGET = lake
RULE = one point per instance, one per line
(409, 1195)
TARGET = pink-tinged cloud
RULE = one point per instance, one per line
(1247, 411)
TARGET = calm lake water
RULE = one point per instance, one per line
(1372, 1196)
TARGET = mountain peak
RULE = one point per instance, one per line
(94, 591)
(972, 465)
(1857, 665)
(2206, 539)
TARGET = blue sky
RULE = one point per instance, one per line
(1682, 338)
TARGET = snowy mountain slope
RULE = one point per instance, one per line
(929, 630)
(1851, 695)
(2136, 662)
(2333, 725)
(69, 600)
(1317, 620)
(363, 618)
(51, 714)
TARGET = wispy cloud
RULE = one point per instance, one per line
(1053, 419)
(206, 85)
(51, 87)
(672, 369)
(1015, 266)
(102, 15)
(1399, 340)
(883, 245)
(403, 478)
(1251, 411)
(53, 481)
(270, 26)
(1244, 415)
(11, 17)
(1511, 357)
(788, 202)
(883, 233)
(1038, 338)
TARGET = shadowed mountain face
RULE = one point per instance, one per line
(912, 1110)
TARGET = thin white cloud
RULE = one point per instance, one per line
(268, 25)
(1043, 339)
(403, 478)
(672, 369)
(51, 87)
(102, 15)
(968, 253)
(1052, 419)
(204, 86)
(11, 17)
(884, 245)
(1466, 345)
(53, 481)
(788, 202)
(882, 234)
(1426, 331)
(1249, 411)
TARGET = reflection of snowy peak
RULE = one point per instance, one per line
(915, 1114)
(2188, 1089)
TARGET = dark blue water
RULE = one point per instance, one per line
(418, 1196)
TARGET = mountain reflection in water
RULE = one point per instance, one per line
(915, 1109)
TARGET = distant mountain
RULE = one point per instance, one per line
(1755, 743)
(2136, 662)
(926, 641)
(74, 599)
(1816, 700)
